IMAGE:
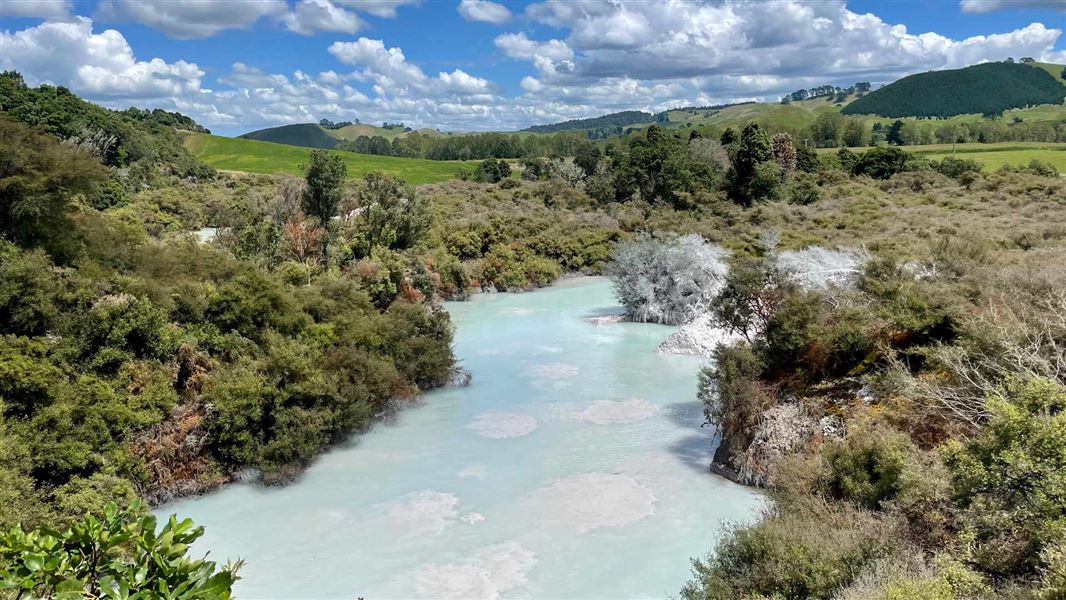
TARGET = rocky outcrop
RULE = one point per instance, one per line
(605, 319)
(782, 430)
(698, 337)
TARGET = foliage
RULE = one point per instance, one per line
(1009, 478)
(39, 178)
(611, 122)
(749, 179)
(119, 554)
(788, 555)
(881, 163)
(325, 175)
(668, 280)
(391, 215)
(492, 171)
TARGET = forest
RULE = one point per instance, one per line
(140, 364)
(986, 89)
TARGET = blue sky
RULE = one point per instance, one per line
(238, 65)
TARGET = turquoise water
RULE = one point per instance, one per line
(574, 466)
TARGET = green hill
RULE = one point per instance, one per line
(308, 135)
(253, 156)
(988, 88)
(610, 122)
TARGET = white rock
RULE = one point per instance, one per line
(699, 337)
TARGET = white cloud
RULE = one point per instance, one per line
(485, 11)
(311, 16)
(984, 6)
(188, 19)
(42, 9)
(100, 65)
(392, 74)
(385, 9)
(517, 45)
(605, 56)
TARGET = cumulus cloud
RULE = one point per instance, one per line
(385, 9)
(603, 56)
(984, 6)
(99, 65)
(187, 19)
(703, 52)
(311, 16)
(485, 11)
(41, 9)
(391, 73)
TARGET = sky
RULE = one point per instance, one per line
(468, 65)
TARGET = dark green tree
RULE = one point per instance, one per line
(750, 151)
(587, 157)
(325, 175)
(893, 134)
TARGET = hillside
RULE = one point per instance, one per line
(253, 156)
(307, 135)
(611, 123)
(988, 88)
(313, 135)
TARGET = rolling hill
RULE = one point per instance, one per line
(988, 88)
(313, 135)
(307, 135)
(253, 156)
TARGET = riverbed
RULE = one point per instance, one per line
(573, 466)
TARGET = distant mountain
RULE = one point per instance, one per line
(308, 135)
(613, 121)
(982, 89)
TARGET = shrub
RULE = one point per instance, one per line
(789, 555)
(117, 554)
(1010, 478)
(957, 168)
(492, 171)
(867, 467)
(804, 191)
(881, 163)
(668, 280)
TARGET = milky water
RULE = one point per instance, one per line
(574, 466)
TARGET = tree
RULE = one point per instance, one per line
(854, 133)
(39, 178)
(117, 555)
(391, 215)
(492, 171)
(587, 157)
(784, 151)
(325, 174)
(894, 135)
(881, 163)
(752, 150)
(728, 136)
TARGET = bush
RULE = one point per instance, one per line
(117, 554)
(492, 171)
(789, 555)
(957, 168)
(668, 280)
(1009, 479)
(804, 191)
(881, 163)
(867, 467)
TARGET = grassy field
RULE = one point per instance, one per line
(993, 156)
(237, 154)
